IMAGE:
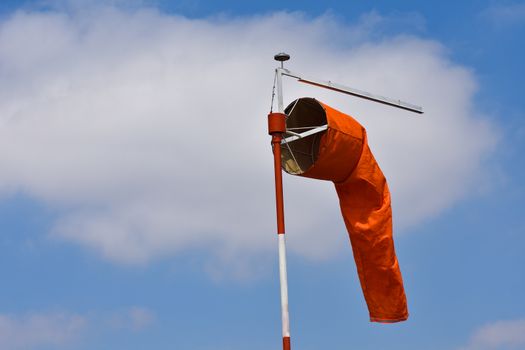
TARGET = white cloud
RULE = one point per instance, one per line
(134, 318)
(56, 329)
(36, 330)
(501, 335)
(502, 15)
(147, 131)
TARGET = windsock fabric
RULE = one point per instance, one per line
(342, 155)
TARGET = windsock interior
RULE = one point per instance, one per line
(303, 114)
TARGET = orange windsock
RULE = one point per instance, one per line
(341, 155)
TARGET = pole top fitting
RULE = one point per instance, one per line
(281, 57)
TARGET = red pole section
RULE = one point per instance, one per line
(279, 202)
(276, 128)
(286, 343)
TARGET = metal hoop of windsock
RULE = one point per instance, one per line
(311, 139)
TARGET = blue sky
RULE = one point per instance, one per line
(121, 229)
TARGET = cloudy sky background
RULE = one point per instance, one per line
(136, 191)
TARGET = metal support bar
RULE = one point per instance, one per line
(297, 136)
(351, 91)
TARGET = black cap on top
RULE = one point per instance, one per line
(281, 57)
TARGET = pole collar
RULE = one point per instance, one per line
(276, 123)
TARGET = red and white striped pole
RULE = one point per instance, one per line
(276, 128)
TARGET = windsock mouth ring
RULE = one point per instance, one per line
(300, 155)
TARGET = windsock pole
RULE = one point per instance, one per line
(276, 128)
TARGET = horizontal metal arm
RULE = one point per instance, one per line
(297, 136)
(354, 92)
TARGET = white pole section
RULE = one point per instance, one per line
(280, 103)
(284, 286)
